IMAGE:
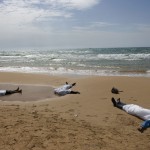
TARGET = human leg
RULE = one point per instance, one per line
(8, 92)
(17, 89)
(117, 103)
(74, 92)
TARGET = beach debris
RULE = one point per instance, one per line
(115, 90)
(75, 115)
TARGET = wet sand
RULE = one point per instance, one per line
(29, 92)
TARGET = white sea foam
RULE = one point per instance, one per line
(123, 56)
(58, 60)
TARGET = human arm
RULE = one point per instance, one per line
(73, 84)
(144, 126)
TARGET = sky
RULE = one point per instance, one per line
(74, 23)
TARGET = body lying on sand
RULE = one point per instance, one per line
(9, 92)
(65, 89)
(135, 110)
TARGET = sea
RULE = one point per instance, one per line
(131, 61)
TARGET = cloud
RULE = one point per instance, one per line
(27, 13)
(79, 4)
(142, 27)
(21, 21)
(51, 23)
(95, 26)
(43, 8)
(13, 11)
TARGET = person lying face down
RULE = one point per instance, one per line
(8, 92)
(135, 110)
(65, 89)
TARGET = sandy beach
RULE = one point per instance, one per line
(39, 120)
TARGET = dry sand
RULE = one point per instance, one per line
(42, 121)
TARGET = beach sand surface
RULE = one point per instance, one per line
(39, 120)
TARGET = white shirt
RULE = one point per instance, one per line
(2, 92)
(63, 90)
(137, 111)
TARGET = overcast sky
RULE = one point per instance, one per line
(74, 23)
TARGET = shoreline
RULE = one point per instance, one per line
(123, 73)
(83, 121)
(81, 73)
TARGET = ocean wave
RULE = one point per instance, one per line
(148, 71)
(75, 55)
(78, 61)
(58, 60)
(124, 56)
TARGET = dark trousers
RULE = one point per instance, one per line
(120, 104)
